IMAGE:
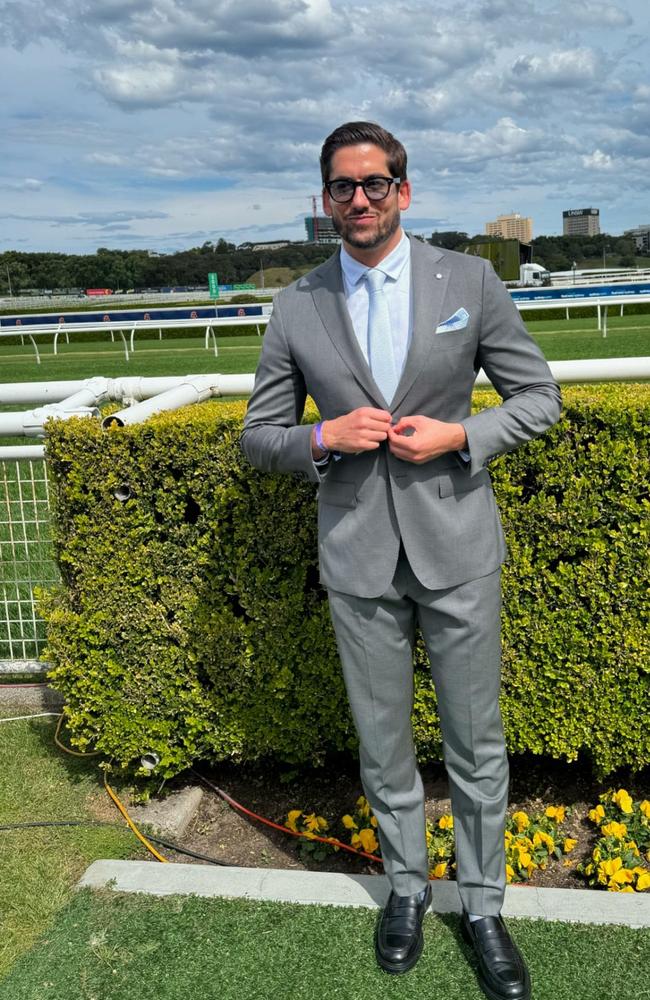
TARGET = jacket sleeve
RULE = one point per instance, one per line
(273, 439)
(518, 371)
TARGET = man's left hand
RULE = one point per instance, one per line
(418, 439)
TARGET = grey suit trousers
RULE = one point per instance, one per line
(461, 630)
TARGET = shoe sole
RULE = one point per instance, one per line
(398, 969)
(489, 992)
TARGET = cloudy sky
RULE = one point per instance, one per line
(164, 123)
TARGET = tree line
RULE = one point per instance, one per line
(127, 269)
(559, 253)
(137, 269)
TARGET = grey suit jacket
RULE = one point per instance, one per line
(443, 512)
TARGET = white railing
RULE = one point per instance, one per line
(600, 277)
(130, 327)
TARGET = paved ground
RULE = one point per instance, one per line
(587, 906)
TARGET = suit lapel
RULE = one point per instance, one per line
(329, 299)
(429, 278)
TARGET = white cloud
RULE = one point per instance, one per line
(598, 161)
(559, 69)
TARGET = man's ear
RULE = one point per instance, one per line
(327, 207)
(404, 195)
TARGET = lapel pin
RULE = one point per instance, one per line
(438, 276)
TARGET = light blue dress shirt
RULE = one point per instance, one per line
(397, 289)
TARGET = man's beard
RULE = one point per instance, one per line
(386, 226)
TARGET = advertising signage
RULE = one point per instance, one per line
(572, 212)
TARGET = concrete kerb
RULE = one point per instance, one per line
(583, 906)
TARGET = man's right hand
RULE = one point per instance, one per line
(361, 430)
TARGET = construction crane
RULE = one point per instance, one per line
(314, 215)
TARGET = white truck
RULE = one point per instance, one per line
(533, 274)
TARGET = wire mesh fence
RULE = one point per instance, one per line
(26, 560)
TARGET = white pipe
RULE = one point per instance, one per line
(127, 387)
(19, 451)
(192, 390)
(592, 370)
(30, 423)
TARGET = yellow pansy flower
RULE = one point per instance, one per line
(369, 841)
(643, 882)
(291, 819)
(623, 876)
(614, 829)
(557, 813)
(645, 808)
(520, 819)
(568, 845)
(349, 823)
(362, 806)
(510, 873)
(373, 821)
(595, 815)
(611, 866)
(623, 800)
(544, 838)
(508, 836)
(525, 859)
(439, 870)
(446, 822)
(311, 822)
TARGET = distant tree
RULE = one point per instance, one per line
(449, 239)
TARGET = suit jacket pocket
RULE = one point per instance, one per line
(338, 494)
(457, 481)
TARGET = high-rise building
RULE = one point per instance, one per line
(581, 222)
(511, 227)
(325, 231)
(641, 236)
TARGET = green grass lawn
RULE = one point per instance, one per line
(169, 356)
(107, 945)
(39, 867)
(558, 339)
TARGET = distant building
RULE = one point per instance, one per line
(511, 227)
(325, 232)
(581, 222)
(641, 236)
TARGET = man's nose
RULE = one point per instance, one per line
(360, 198)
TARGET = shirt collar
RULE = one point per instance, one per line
(392, 265)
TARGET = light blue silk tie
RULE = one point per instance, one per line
(380, 342)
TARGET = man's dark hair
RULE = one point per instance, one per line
(356, 133)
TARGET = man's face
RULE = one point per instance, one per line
(361, 223)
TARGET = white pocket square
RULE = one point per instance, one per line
(456, 322)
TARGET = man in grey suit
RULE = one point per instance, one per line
(387, 337)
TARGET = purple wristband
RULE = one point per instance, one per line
(318, 430)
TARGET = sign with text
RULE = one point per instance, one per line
(213, 285)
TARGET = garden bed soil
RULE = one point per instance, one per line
(225, 834)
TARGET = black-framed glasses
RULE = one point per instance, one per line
(374, 188)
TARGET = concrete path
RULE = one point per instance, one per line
(586, 906)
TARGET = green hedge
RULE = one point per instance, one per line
(190, 620)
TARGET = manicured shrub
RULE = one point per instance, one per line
(190, 620)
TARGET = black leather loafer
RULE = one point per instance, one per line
(502, 972)
(399, 940)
